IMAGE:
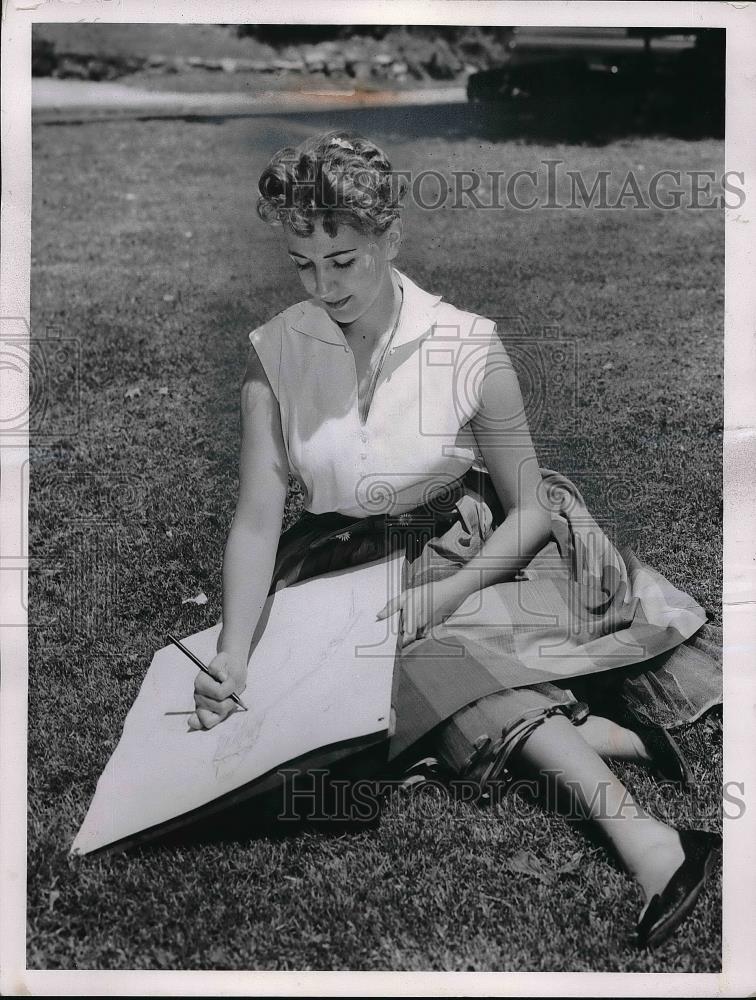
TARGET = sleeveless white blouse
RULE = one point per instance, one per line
(416, 439)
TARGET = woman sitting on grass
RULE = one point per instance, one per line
(402, 419)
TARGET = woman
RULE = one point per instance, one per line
(402, 419)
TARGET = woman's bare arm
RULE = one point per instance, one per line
(503, 436)
(251, 545)
(256, 525)
(501, 430)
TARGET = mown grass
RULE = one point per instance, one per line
(147, 254)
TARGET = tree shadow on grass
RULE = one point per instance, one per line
(568, 120)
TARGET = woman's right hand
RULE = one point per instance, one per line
(212, 695)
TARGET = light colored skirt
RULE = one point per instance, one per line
(583, 616)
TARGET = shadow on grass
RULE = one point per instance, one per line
(548, 121)
(551, 121)
(279, 814)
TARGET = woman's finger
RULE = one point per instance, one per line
(210, 688)
(202, 719)
(222, 708)
(209, 719)
(218, 667)
(391, 608)
(409, 624)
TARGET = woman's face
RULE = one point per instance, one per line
(343, 273)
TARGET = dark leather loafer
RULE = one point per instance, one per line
(670, 907)
(424, 770)
(666, 756)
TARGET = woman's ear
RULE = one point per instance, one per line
(393, 239)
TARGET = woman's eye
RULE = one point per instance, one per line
(303, 266)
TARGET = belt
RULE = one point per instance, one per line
(438, 512)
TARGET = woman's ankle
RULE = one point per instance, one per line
(662, 857)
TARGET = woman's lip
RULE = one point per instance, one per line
(338, 303)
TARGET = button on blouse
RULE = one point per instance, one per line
(417, 436)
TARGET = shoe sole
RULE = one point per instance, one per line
(659, 934)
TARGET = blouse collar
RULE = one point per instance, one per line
(415, 320)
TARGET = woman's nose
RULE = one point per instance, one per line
(322, 283)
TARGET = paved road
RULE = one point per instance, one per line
(80, 100)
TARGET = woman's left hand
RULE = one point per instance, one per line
(423, 607)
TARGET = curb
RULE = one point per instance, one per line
(71, 106)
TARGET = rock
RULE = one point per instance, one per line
(71, 69)
(443, 65)
(98, 70)
(383, 59)
(359, 69)
(156, 61)
(229, 65)
(195, 61)
(289, 65)
(314, 62)
(399, 68)
(415, 67)
(252, 66)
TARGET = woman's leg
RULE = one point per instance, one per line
(650, 851)
(525, 729)
(612, 741)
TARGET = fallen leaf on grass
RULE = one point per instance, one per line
(164, 959)
(572, 865)
(169, 533)
(713, 724)
(526, 863)
(608, 366)
(199, 599)
(163, 390)
(169, 298)
(132, 391)
(52, 899)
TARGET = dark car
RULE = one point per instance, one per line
(651, 77)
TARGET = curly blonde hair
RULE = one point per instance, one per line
(334, 177)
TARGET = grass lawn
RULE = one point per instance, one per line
(150, 267)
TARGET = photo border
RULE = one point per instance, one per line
(738, 977)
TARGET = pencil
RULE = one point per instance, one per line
(197, 662)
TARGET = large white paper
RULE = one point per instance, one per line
(320, 673)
